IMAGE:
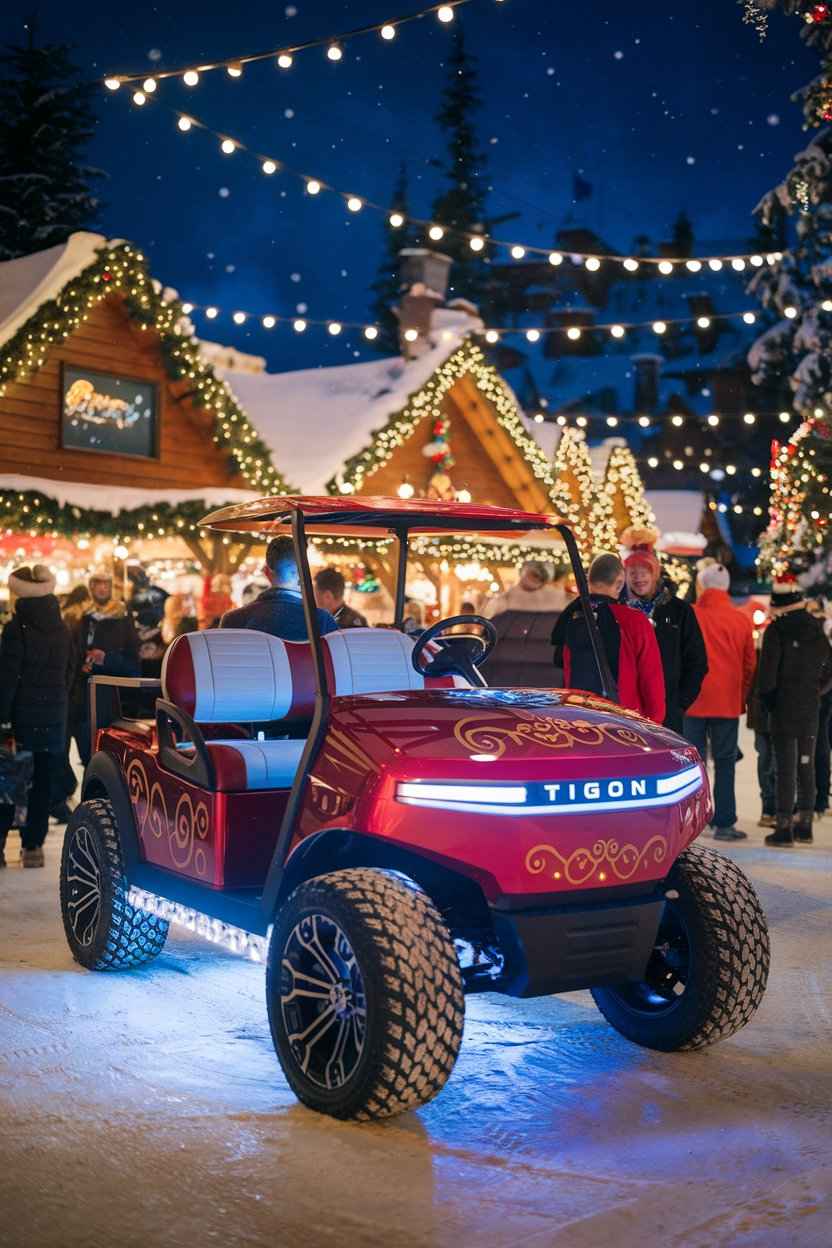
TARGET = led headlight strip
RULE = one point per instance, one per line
(561, 797)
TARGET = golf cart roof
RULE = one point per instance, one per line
(374, 516)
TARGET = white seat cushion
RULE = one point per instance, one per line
(241, 766)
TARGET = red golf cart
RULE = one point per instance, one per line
(388, 834)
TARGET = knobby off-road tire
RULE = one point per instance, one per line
(104, 932)
(364, 994)
(710, 968)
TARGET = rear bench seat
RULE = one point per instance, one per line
(235, 675)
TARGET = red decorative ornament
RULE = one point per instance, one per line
(818, 13)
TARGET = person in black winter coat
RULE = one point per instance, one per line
(35, 658)
(795, 670)
(682, 647)
(104, 643)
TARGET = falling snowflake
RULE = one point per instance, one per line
(301, 308)
(224, 192)
(773, 119)
(690, 160)
(493, 139)
(291, 10)
(288, 113)
(619, 56)
(154, 54)
(295, 277)
(229, 268)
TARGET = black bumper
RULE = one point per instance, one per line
(563, 948)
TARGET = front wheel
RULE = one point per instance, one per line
(364, 994)
(104, 932)
(709, 968)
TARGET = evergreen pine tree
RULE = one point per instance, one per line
(461, 205)
(46, 120)
(386, 288)
(682, 239)
(797, 291)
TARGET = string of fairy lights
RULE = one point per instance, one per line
(283, 57)
(479, 242)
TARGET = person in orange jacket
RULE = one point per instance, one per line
(715, 715)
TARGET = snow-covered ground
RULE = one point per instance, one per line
(148, 1108)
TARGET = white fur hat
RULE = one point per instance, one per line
(35, 582)
(714, 576)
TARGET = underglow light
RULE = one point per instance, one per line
(217, 932)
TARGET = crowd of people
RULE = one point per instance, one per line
(693, 668)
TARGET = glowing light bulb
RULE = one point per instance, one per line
(750, 318)
(592, 263)
(631, 265)
(533, 335)
(785, 417)
(730, 469)
(665, 267)
(354, 203)
(750, 418)
(149, 85)
(713, 420)
(239, 318)
(396, 220)
(561, 420)
(187, 308)
(476, 243)
(704, 467)
(790, 313)
(617, 331)
(492, 336)
(405, 490)
(677, 420)
(644, 422)
(269, 166)
(334, 53)
(757, 261)
(139, 98)
(538, 418)
(436, 232)
(612, 421)
(387, 31)
(313, 186)
(371, 333)
(756, 472)
(693, 266)
(678, 465)
(463, 496)
(410, 335)
(184, 124)
(228, 146)
(573, 332)
(284, 61)
(299, 325)
(112, 84)
(518, 252)
(234, 71)
(703, 322)
(555, 258)
(715, 264)
(653, 462)
(335, 328)
(269, 322)
(582, 422)
(190, 77)
(659, 327)
(738, 264)
(212, 313)
(445, 13)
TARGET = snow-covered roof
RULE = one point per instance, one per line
(116, 498)
(316, 419)
(32, 280)
(677, 511)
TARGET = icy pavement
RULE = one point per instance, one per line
(148, 1108)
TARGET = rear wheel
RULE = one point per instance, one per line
(104, 932)
(364, 994)
(709, 968)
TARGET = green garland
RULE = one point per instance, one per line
(123, 269)
(427, 403)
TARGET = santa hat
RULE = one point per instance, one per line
(34, 582)
(641, 544)
(786, 592)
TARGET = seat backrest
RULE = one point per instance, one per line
(232, 675)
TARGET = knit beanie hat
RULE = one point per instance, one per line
(785, 592)
(641, 543)
(714, 576)
(35, 582)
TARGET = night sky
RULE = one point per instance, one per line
(660, 106)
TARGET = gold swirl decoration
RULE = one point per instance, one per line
(587, 863)
(550, 732)
(187, 833)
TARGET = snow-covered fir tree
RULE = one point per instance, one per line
(46, 122)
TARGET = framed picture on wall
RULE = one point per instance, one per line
(107, 412)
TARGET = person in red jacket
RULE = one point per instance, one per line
(628, 639)
(715, 715)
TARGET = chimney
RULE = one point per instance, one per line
(424, 276)
(647, 370)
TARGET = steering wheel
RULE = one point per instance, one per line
(461, 654)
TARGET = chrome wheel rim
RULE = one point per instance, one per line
(322, 1001)
(83, 880)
